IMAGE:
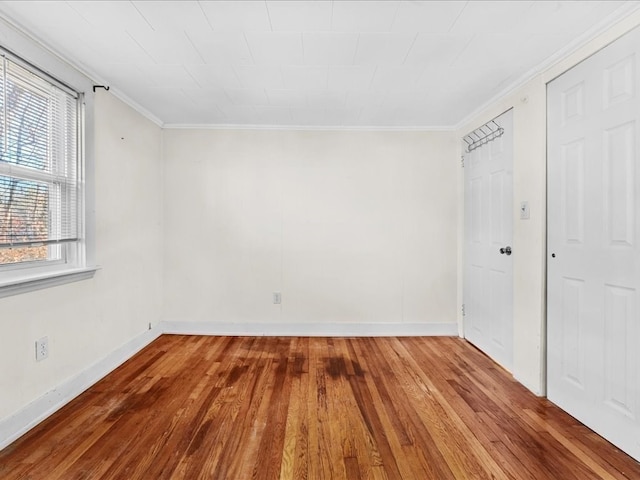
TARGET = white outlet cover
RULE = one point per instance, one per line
(524, 210)
(42, 348)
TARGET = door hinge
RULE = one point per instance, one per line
(462, 161)
(463, 313)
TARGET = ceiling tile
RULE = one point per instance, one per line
(361, 17)
(202, 116)
(257, 76)
(166, 46)
(269, 115)
(538, 47)
(111, 15)
(433, 78)
(373, 117)
(426, 17)
(565, 17)
(213, 75)
(493, 16)
(437, 49)
(351, 117)
(299, 16)
(333, 116)
(247, 96)
(305, 78)
(169, 104)
(350, 78)
(230, 15)
(365, 98)
(221, 47)
(173, 15)
(208, 97)
(114, 47)
(408, 99)
(383, 48)
(270, 48)
(407, 116)
(168, 76)
(239, 115)
(205, 107)
(287, 98)
(326, 99)
(329, 48)
(311, 116)
(474, 54)
(397, 78)
(44, 14)
(600, 11)
(127, 75)
(475, 82)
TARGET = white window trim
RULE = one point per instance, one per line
(22, 280)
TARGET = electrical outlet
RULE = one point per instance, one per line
(42, 349)
(277, 298)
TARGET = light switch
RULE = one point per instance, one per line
(524, 210)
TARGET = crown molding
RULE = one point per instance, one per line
(321, 128)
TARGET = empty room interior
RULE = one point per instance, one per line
(320, 239)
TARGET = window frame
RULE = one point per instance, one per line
(77, 261)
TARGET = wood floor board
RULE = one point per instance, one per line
(198, 407)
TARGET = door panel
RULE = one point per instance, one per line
(499, 285)
(618, 162)
(573, 194)
(572, 351)
(488, 284)
(619, 318)
(593, 268)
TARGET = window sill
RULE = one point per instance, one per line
(25, 284)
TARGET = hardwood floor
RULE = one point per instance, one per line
(190, 407)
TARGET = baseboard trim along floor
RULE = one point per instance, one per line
(331, 329)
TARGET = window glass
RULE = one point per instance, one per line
(38, 168)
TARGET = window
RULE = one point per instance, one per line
(40, 160)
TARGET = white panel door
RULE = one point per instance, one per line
(488, 273)
(593, 326)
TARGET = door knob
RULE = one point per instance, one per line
(505, 250)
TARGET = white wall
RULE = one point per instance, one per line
(87, 320)
(352, 227)
(529, 243)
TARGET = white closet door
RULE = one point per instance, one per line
(593, 326)
(488, 273)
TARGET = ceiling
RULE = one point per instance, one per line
(339, 63)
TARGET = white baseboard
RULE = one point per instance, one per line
(13, 427)
(335, 329)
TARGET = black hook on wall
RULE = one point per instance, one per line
(100, 86)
